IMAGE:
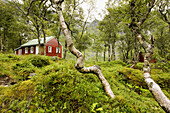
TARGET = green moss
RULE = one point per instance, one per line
(139, 66)
(39, 60)
(23, 69)
(9, 57)
(59, 87)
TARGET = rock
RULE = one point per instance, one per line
(32, 74)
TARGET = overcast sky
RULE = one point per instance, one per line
(100, 5)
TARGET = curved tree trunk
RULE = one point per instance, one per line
(80, 58)
(154, 88)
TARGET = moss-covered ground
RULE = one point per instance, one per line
(59, 88)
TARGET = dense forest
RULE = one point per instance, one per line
(118, 64)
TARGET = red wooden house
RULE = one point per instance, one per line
(32, 47)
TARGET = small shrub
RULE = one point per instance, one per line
(39, 60)
(13, 57)
(8, 57)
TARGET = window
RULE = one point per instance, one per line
(57, 50)
(32, 50)
(49, 49)
(26, 50)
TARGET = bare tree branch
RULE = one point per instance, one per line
(28, 10)
(151, 5)
(19, 7)
(164, 16)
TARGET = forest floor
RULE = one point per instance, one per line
(42, 84)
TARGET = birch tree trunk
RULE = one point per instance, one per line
(113, 52)
(104, 52)
(80, 58)
(39, 41)
(58, 37)
(5, 46)
(109, 56)
(154, 88)
(65, 50)
(97, 56)
(1, 43)
(44, 39)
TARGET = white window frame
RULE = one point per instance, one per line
(26, 50)
(49, 49)
(32, 50)
(57, 49)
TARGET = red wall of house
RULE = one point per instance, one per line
(53, 43)
(29, 50)
(23, 51)
(34, 49)
(17, 52)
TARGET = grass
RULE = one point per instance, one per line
(59, 87)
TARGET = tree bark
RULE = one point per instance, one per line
(5, 42)
(80, 58)
(1, 43)
(109, 56)
(38, 37)
(65, 50)
(154, 88)
(44, 39)
(58, 38)
(39, 44)
(97, 56)
(84, 50)
(104, 52)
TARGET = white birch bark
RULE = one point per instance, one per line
(154, 88)
(80, 58)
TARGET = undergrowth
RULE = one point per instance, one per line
(58, 87)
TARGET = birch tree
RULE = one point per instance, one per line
(135, 25)
(80, 58)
